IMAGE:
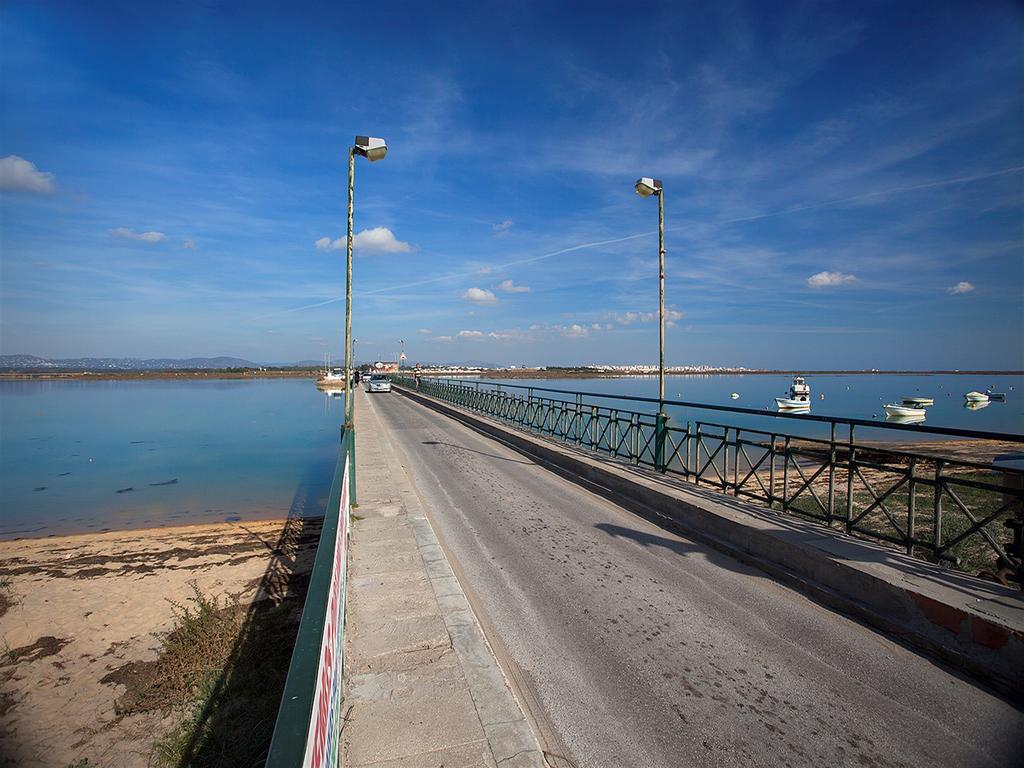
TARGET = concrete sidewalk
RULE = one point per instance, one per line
(422, 688)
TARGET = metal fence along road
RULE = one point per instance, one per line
(947, 509)
(307, 733)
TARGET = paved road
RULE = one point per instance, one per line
(638, 647)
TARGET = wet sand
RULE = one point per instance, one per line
(79, 610)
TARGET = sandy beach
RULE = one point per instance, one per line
(82, 620)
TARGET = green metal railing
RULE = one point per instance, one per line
(968, 514)
(311, 690)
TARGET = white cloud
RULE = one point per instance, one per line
(509, 287)
(480, 296)
(124, 233)
(376, 240)
(425, 331)
(19, 175)
(379, 240)
(189, 243)
(826, 279)
(574, 331)
(502, 227)
(962, 287)
(470, 334)
(443, 338)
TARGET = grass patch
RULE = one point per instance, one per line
(222, 669)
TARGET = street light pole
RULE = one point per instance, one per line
(372, 149)
(349, 410)
(646, 187)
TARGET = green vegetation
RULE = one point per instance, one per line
(222, 669)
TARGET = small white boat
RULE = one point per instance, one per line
(917, 402)
(904, 419)
(976, 397)
(789, 404)
(735, 395)
(799, 396)
(906, 411)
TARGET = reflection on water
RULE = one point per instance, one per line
(92, 456)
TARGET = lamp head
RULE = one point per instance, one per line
(371, 148)
(647, 186)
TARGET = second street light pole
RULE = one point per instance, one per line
(646, 187)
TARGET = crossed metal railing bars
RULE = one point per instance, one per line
(969, 514)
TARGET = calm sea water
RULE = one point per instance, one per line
(89, 456)
(850, 396)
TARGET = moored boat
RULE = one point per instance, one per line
(976, 397)
(917, 402)
(799, 396)
(905, 411)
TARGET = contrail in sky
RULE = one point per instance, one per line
(598, 243)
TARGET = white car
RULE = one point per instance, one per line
(378, 382)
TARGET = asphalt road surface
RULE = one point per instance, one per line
(635, 647)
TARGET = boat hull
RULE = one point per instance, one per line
(904, 411)
(788, 404)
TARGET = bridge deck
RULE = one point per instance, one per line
(639, 647)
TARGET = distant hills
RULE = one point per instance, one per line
(33, 363)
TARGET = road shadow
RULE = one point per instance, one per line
(234, 726)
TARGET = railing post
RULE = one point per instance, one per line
(687, 438)
(594, 432)
(696, 456)
(660, 432)
(634, 438)
(725, 459)
(785, 473)
(851, 459)
(911, 490)
(937, 511)
(831, 475)
(736, 465)
(771, 471)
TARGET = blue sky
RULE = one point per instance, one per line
(844, 182)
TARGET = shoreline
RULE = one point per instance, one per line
(488, 373)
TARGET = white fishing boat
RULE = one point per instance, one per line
(735, 395)
(917, 402)
(976, 397)
(892, 409)
(799, 396)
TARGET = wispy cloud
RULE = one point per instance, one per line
(830, 279)
(189, 243)
(962, 287)
(510, 287)
(124, 233)
(20, 175)
(424, 331)
(480, 296)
